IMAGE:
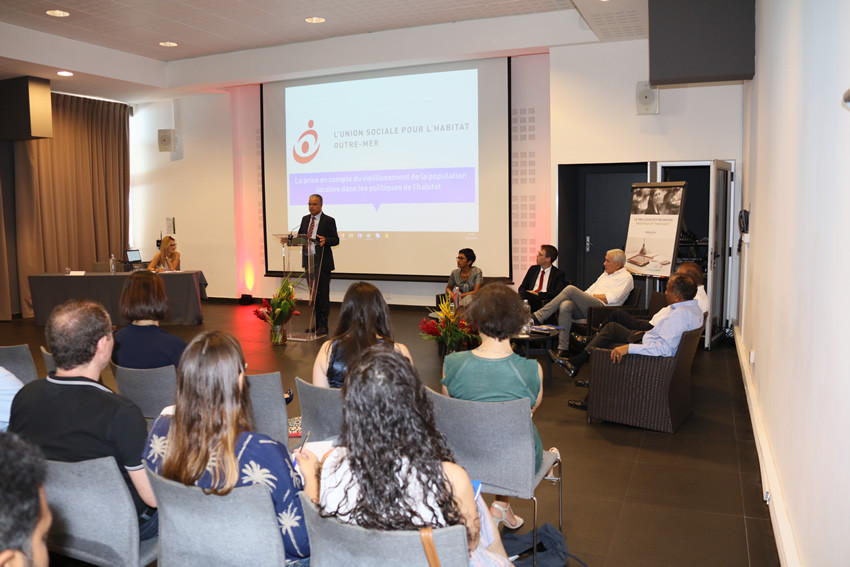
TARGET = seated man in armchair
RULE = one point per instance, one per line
(663, 339)
(542, 281)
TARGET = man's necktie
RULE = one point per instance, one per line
(312, 224)
(540, 285)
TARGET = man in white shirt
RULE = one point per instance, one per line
(611, 288)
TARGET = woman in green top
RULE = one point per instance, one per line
(492, 372)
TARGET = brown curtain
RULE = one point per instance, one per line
(72, 191)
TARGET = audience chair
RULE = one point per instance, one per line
(651, 392)
(502, 458)
(270, 415)
(202, 530)
(334, 543)
(321, 410)
(149, 388)
(49, 363)
(94, 519)
(18, 360)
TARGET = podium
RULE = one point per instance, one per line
(295, 247)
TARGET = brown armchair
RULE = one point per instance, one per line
(652, 392)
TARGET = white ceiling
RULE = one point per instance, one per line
(213, 27)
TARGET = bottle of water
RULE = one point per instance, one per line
(529, 322)
(112, 263)
(456, 297)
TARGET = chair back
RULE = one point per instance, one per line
(657, 302)
(94, 519)
(633, 299)
(270, 415)
(149, 388)
(197, 529)
(321, 410)
(49, 363)
(502, 458)
(334, 543)
(680, 385)
(18, 360)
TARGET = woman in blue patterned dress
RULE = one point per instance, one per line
(205, 439)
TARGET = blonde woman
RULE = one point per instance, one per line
(168, 258)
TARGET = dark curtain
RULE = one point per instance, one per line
(72, 191)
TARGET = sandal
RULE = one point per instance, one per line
(550, 475)
(288, 396)
(501, 517)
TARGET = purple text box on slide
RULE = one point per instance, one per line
(378, 187)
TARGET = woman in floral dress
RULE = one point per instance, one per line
(205, 439)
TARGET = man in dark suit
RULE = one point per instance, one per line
(322, 228)
(538, 291)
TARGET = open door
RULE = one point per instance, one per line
(706, 238)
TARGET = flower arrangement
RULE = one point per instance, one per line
(449, 328)
(278, 310)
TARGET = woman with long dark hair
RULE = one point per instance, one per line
(364, 321)
(392, 469)
(205, 439)
(142, 344)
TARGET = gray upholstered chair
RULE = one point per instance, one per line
(334, 543)
(94, 519)
(149, 388)
(198, 529)
(652, 392)
(270, 415)
(321, 410)
(49, 363)
(502, 457)
(18, 360)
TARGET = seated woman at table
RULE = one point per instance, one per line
(392, 469)
(206, 438)
(493, 373)
(142, 344)
(466, 277)
(364, 320)
(168, 258)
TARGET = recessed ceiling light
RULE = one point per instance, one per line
(58, 13)
(168, 44)
(315, 20)
(65, 73)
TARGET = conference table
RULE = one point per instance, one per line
(184, 290)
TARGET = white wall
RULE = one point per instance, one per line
(195, 185)
(592, 89)
(794, 306)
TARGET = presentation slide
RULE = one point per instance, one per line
(413, 166)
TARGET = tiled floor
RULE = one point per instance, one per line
(631, 497)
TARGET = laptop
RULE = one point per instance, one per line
(134, 256)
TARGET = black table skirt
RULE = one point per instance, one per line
(184, 289)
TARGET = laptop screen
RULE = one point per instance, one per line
(134, 256)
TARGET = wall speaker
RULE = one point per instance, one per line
(646, 98)
(167, 140)
(27, 109)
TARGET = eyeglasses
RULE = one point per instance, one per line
(461, 258)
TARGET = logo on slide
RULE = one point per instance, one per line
(307, 145)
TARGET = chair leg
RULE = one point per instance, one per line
(534, 527)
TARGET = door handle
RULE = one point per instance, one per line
(587, 244)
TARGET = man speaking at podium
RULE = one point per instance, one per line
(322, 228)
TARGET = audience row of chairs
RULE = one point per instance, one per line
(17, 359)
(196, 529)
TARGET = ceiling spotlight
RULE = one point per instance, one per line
(168, 44)
(57, 13)
(315, 20)
(65, 73)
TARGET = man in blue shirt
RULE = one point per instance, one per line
(684, 314)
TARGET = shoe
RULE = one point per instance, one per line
(534, 318)
(551, 474)
(288, 396)
(582, 383)
(500, 516)
(560, 358)
(581, 340)
(578, 404)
